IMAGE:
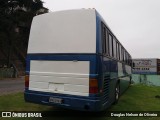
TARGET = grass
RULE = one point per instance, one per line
(139, 98)
(15, 102)
(136, 98)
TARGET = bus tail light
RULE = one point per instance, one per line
(26, 80)
(93, 86)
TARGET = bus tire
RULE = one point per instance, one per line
(117, 93)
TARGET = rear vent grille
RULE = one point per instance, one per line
(106, 89)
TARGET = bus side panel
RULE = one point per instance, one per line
(124, 75)
(107, 70)
(114, 72)
(110, 73)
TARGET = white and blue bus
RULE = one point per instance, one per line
(75, 61)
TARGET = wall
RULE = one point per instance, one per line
(146, 79)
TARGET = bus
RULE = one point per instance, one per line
(75, 61)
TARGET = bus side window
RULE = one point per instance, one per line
(107, 43)
(121, 55)
(103, 38)
(124, 55)
(114, 48)
(118, 56)
(126, 58)
(130, 60)
(110, 45)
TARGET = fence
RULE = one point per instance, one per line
(7, 73)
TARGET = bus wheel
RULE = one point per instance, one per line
(117, 93)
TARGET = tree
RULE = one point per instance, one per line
(15, 21)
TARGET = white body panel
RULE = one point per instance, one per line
(120, 70)
(72, 31)
(66, 77)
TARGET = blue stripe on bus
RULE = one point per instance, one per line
(65, 57)
(98, 33)
(72, 102)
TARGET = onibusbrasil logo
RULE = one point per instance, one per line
(21, 114)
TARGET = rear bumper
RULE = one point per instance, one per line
(69, 102)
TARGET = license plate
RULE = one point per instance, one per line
(55, 100)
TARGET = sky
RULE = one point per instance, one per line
(136, 23)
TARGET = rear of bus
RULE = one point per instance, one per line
(62, 67)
